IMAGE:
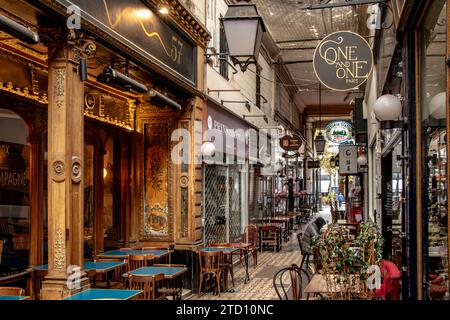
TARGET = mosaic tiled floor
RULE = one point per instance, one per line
(260, 286)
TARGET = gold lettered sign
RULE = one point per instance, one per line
(343, 61)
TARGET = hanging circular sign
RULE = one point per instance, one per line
(338, 132)
(343, 61)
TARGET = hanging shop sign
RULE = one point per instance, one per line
(343, 61)
(338, 132)
(136, 27)
(290, 143)
(348, 159)
(314, 164)
(229, 133)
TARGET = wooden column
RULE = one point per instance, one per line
(65, 162)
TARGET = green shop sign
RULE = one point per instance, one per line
(338, 132)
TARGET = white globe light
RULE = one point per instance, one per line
(362, 161)
(437, 106)
(387, 108)
(208, 149)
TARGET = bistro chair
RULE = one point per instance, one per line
(12, 291)
(172, 287)
(269, 237)
(251, 236)
(148, 284)
(166, 259)
(37, 277)
(210, 265)
(227, 261)
(116, 281)
(288, 283)
(305, 255)
(136, 261)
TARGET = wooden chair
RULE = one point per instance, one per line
(172, 287)
(37, 277)
(305, 255)
(149, 284)
(227, 261)
(166, 259)
(98, 280)
(269, 237)
(251, 236)
(136, 261)
(12, 291)
(290, 285)
(210, 265)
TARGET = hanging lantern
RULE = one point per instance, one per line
(362, 160)
(319, 143)
(244, 29)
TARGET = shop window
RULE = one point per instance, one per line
(433, 38)
(14, 193)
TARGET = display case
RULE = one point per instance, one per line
(437, 215)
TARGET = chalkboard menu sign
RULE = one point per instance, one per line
(134, 24)
(14, 181)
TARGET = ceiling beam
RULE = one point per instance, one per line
(329, 110)
(340, 4)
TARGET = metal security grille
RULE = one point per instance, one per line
(215, 203)
(234, 197)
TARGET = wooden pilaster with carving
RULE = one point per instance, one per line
(65, 160)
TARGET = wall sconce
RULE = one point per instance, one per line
(17, 30)
(208, 149)
(388, 110)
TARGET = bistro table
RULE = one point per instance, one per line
(279, 227)
(243, 247)
(14, 297)
(170, 273)
(99, 266)
(123, 254)
(225, 250)
(105, 294)
(318, 285)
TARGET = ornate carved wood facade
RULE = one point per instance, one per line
(42, 85)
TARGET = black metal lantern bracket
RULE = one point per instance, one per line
(223, 56)
(399, 124)
(246, 103)
(256, 116)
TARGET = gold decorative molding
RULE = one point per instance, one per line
(60, 250)
(23, 92)
(190, 23)
(108, 119)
